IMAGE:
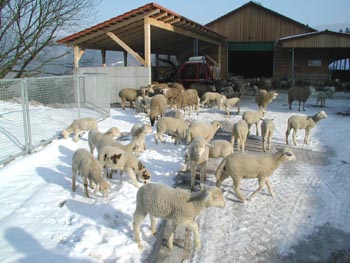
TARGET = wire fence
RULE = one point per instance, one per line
(34, 111)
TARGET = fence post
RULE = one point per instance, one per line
(78, 95)
(26, 118)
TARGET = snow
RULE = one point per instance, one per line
(42, 220)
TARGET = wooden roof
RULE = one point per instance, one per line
(252, 3)
(170, 32)
(321, 39)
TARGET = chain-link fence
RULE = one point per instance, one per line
(34, 111)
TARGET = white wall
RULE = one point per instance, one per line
(120, 77)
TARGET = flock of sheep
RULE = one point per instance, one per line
(164, 103)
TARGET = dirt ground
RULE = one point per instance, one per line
(325, 244)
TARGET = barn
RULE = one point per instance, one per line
(250, 41)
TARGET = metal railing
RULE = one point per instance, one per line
(34, 111)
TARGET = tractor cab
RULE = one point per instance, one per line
(196, 69)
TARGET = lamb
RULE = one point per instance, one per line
(267, 130)
(229, 103)
(239, 133)
(117, 159)
(249, 166)
(264, 98)
(78, 126)
(90, 170)
(171, 126)
(220, 148)
(209, 97)
(171, 93)
(129, 95)
(174, 114)
(177, 205)
(139, 104)
(202, 88)
(198, 154)
(300, 94)
(297, 122)
(157, 107)
(206, 131)
(136, 145)
(188, 98)
(322, 95)
(94, 136)
(253, 117)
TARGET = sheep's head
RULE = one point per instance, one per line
(143, 173)
(287, 154)
(216, 125)
(321, 115)
(210, 196)
(105, 188)
(65, 134)
(113, 132)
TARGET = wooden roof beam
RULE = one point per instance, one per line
(127, 48)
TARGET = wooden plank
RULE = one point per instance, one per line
(127, 48)
(147, 42)
(78, 53)
(112, 28)
(178, 30)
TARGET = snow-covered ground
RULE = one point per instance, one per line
(41, 220)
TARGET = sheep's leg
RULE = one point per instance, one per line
(139, 216)
(193, 175)
(203, 169)
(133, 177)
(194, 227)
(86, 186)
(233, 142)
(153, 224)
(256, 128)
(307, 134)
(170, 242)
(269, 138)
(261, 185)
(268, 184)
(236, 188)
(74, 177)
(299, 105)
(287, 135)
(294, 135)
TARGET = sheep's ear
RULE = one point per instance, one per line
(201, 195)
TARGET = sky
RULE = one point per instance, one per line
(314, 13)
(42, 220)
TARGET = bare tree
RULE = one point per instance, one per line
(28, 29)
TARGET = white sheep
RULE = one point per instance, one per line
(171, 126)
(264, 98)
(198, 154)
(229, 103)
(204, 130)
(128, 94)
(297, 122)
(267, 130)
(177, 205)
(300, 94)
(250, 166)
(94, 136)
(187, 99)
(209, 98)
(78, 126)
(116, 159)
(239, 133)
(139, 133)
(174, 114)
(253, 117)
(323, 95)
(139, 104)
(157, 107)
(220, 148)
(90, 170)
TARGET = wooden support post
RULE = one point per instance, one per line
(78, 53)
(147, 36)
(103, 55)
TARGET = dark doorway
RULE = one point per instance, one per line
(250, 63)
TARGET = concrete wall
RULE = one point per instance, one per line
(120, 77)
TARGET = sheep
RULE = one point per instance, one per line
(171, 126)
(84, 163)
(264, 98)
(177, 205)
(136, 145)
(239, 133)
(174, 114)
(202, 88)
(229, 103)
(322, 95)
(207, 131)
(117, 159)
(139, 129)
(139, 104)
(94, 136)
(209, 97)
(197, 156)
(297, 122)
(300, 94)
(128, 94)
(249, 166)
(171, 93)
(253, 117)
(78, 126)
(188, 98)
(267, 130)
(220, 148)
(157, 107)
